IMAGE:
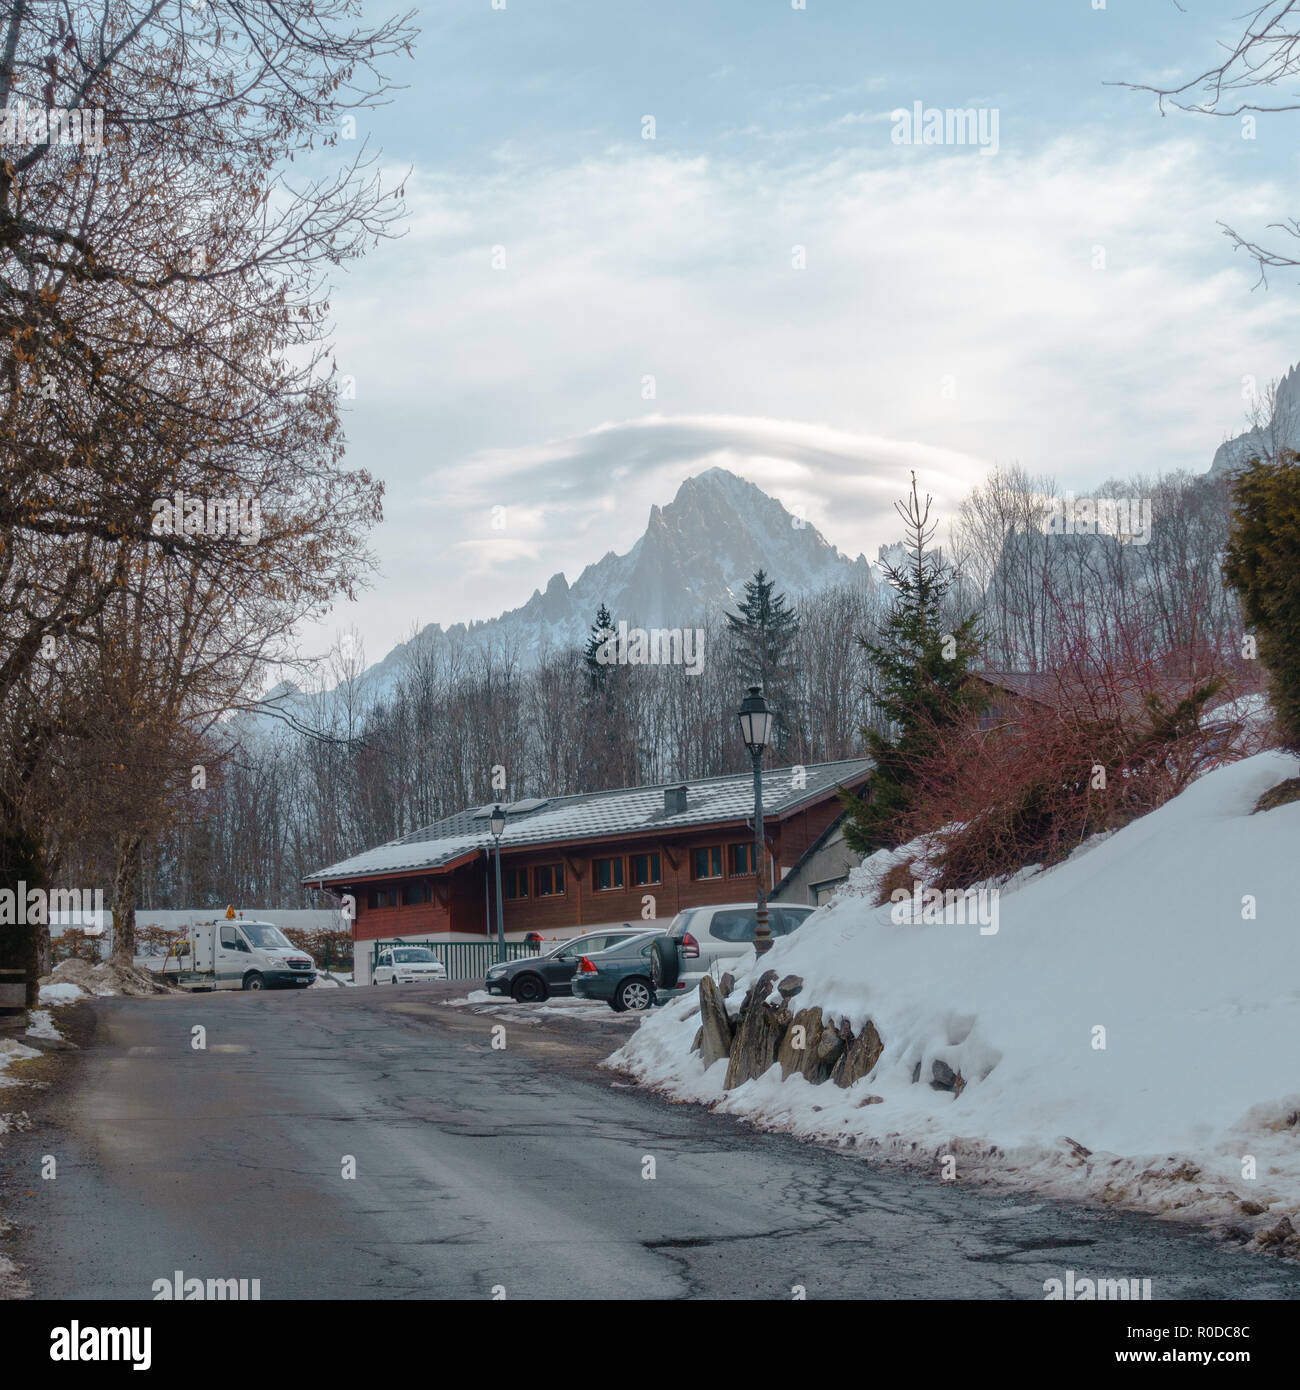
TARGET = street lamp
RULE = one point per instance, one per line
(498, 824)
(756, 730)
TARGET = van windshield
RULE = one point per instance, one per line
(263, 935)
(415, 956)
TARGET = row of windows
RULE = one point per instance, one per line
(607, 875)
(548, 882)
(406, 895)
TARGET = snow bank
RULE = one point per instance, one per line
(61, 992)
(11, 1050)
(1179, 936)
(40, 1024)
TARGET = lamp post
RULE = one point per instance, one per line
(756, 730)
(498, 824)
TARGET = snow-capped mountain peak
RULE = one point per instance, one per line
(694, 555)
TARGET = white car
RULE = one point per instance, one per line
(407, 965)
(700, 940)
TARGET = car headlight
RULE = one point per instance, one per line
(496, 972)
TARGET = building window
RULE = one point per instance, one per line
(607, 873)
(740, 860)
(645, 869)
(514, 883)
(382, 897)
(413, 894)
(707, 862)
(549, 879)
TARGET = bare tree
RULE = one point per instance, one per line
(1251, 78)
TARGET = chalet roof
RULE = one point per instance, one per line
(1053, 688)
(597, 816)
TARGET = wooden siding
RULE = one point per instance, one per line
(463, 898)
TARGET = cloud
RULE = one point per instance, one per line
(842, 480)
(1073, 308)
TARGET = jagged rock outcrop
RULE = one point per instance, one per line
(803, 1041)
(822, 1047)
(859, 1058)
(758, 1037)
(716, 1031)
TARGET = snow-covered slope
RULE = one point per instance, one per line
(1147, 935)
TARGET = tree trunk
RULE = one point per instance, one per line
(22, 869)
(126, 882)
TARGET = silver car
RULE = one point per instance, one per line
(701, 937)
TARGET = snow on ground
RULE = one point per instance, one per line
(40, 1024)
(11, 1051)
(330, 979)
(563, 1007)
(1147, 934)
(62, 992)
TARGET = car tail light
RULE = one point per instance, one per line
(690, 947)
(586, 967)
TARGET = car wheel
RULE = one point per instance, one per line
(663, 963)
(254, 981)
(529, 989)
(634, 993)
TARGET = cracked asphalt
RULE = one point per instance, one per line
(484, 1172)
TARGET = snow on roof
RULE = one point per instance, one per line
(596, 815)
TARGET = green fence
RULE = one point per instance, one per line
(465, 960)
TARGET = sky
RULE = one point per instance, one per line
(578, 317)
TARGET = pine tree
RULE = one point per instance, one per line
(921, 683)
(1262, 565)
(762, 634)
(602, 631)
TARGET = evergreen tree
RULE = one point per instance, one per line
(602, 631)
(761, 635)
(921, 682)
(1262, 565)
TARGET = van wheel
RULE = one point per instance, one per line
(529, 989)
(634, 993)
(663, 963)
(254, 981)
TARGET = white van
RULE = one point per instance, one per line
(235, 954)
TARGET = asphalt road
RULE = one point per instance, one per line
(480, 1169)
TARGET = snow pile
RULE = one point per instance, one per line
(40, 1024)
(1129, 1031)
(108, 977)
(63, 992)
(11, 1051)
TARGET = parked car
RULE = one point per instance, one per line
(700, 937)
(406, 965)
(535, 978)
(620, 974)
